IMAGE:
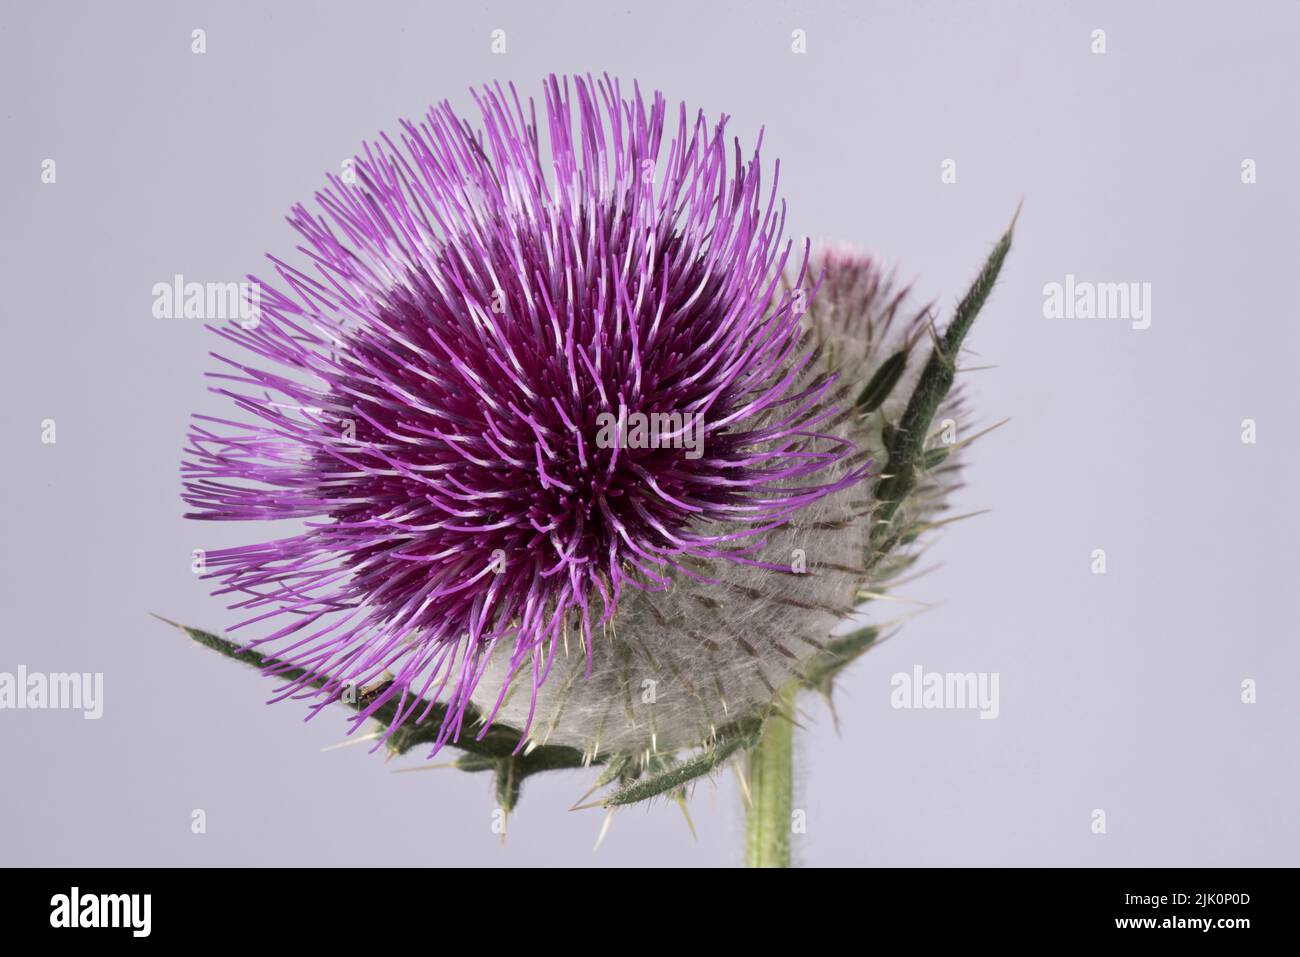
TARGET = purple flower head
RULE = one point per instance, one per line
(433, 397)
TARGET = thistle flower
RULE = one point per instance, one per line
(435, 402)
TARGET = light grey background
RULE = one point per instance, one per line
(1119, 692)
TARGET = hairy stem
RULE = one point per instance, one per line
(770, 767)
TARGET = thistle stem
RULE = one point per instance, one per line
(771, 789)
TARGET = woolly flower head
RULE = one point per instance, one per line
(563, 419)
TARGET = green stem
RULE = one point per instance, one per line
(771, 789)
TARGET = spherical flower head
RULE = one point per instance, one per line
(546, 400)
